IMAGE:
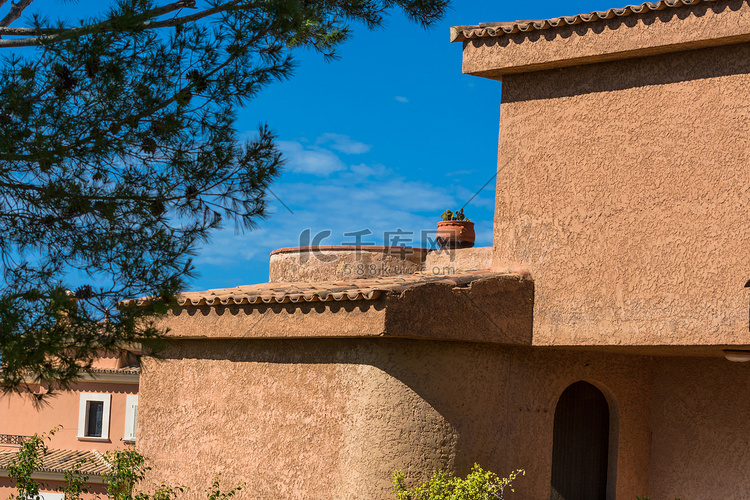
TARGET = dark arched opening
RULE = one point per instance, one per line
(580, 444)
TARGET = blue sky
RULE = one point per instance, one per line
(385, 138)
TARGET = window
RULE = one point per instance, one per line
(131, 416)
(93, 417)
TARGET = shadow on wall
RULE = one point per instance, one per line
(699, 64)
(597, 27)
(383, 404)
(285, 308)
(464, 383)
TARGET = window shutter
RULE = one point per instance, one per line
(131, 417)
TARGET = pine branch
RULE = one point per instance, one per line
(119, 156)
(54, 35)
(16, 9)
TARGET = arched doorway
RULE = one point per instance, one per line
(580, 444)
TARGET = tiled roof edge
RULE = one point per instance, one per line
(99, 465)
(322, 291)
(102, 461)
(489, 30)
(283, 298)
(118, 371)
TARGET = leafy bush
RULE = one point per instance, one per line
(127, 470)
(28, 460)
(478, 485)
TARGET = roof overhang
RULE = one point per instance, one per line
(112, 376)
(115, 376)
(57, 476)
(494, 50)
(56, 462)
(476, 307)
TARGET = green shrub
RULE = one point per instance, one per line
(29, 460)
(478, 485)
(23, 465)
(127, 470)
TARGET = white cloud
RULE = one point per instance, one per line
(365, 170)
(454, 173)
(337, 204)
(401, 98)
(343, 143)
(344, 199)
(310, 160)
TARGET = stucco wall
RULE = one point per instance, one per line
(449, 260)
(343, 262)
(493, 308)
(332, 418)
(701, 429)
(537, 377)
(702, 24)
(626, 194)
(315, 319)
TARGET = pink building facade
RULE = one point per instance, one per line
(97, 415)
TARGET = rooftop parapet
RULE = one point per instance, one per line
(343, 262)
(492, 50)
(475, 306)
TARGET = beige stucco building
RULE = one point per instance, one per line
(587, 346)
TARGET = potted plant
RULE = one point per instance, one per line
(455, 230)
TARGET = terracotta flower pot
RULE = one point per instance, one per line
(455, 234)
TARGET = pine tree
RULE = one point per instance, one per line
(119, 155)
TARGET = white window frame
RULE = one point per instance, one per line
(48, 495)
(86, 397)
(131, 418)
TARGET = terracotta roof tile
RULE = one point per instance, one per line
(130, 370)
(92, 462)
(488, 30)
(355, 289)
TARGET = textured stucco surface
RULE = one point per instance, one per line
(674, 29)
(446, 261)
(701, 429)
(315, 319)
(332, 418)
(331, 264)
(532, 384)
(627, 198)
(496, 309)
